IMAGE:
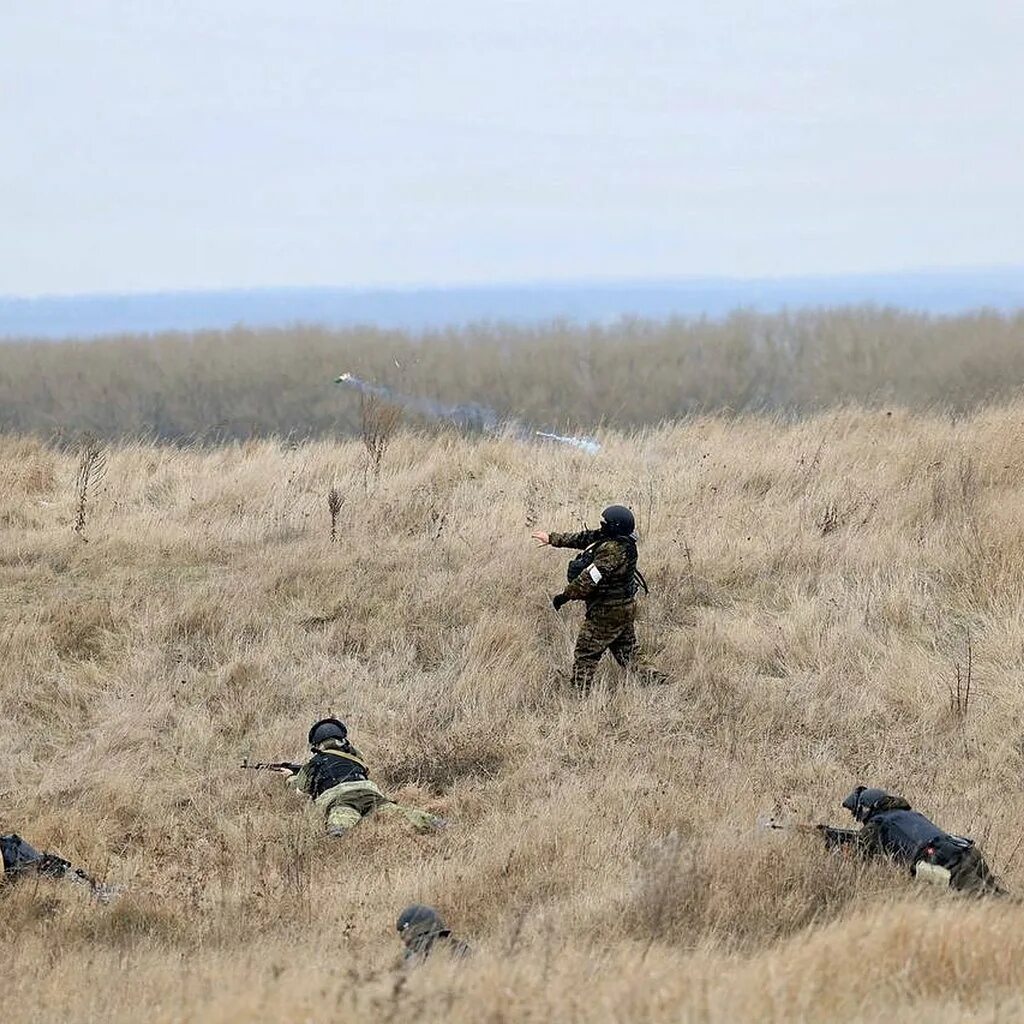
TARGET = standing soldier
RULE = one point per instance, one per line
(605, 577)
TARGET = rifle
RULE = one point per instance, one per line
(49, 865)
(834, 838)
(52, 866)
(284, 767)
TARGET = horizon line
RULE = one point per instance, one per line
(537, 284)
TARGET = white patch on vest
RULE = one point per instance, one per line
(595, 574)
(925, 872)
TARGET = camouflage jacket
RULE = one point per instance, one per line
(608, 580)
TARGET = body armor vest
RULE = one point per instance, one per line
(328, 768)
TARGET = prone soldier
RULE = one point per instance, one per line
(891, 828)
(336, 778)
(19, 858)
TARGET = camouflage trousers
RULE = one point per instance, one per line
(971, 874)
(346, 804)
(965, 871)
(608, 628)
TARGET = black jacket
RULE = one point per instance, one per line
(17, 854)
(900, 833)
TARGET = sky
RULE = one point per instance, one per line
(179, 144)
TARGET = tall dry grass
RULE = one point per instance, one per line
(239, 384)
(813, 586)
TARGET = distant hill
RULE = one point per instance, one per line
(939, 292)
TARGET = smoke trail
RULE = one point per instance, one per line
(466, 415)
(469, 415)
(586, 444)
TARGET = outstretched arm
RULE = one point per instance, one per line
(579, 541)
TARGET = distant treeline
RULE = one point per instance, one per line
(236, 384)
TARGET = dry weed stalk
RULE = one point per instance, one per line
(960, 689)
(438, 521)
(334, 503)
(378, 421)
(92, 464)
(831, 519)
(532, 502)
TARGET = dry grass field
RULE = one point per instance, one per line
(814, 586)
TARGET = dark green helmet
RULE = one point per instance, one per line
(327, 729)
(419, 921)
(617, 521)
(862, 802)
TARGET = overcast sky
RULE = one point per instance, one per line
(155, 144)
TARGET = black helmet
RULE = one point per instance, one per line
(327, 729)
(418, 921)
(862, 802)
(617, 521)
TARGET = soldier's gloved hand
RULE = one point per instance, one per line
(558, 600)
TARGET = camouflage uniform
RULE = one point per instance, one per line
(608, 589)
(336, 777)
(972, 875)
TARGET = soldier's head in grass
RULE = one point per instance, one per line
(419, 923)
(862, 802)
(328, 732)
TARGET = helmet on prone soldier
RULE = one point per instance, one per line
(862, 802)
(327, 729)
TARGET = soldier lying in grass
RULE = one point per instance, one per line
(891, 828)
(336, 778)
(19, 859)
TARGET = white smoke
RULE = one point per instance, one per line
(586, 444)
(466, 415)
